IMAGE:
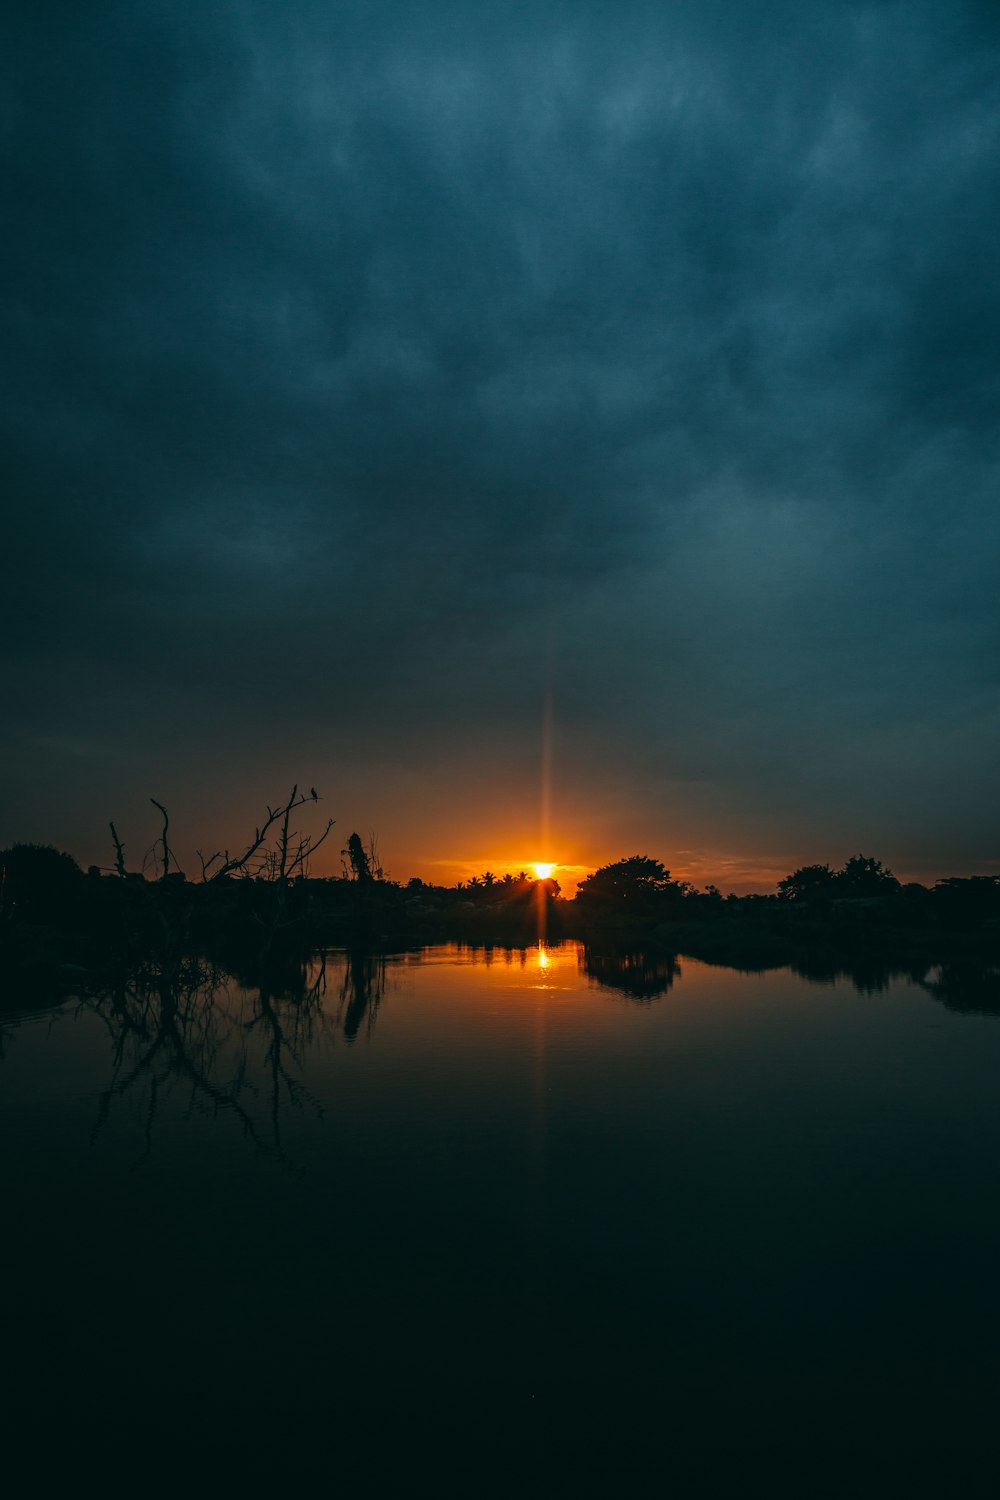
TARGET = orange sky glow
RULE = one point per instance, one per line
(459, 823)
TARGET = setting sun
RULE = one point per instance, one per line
(542, 872)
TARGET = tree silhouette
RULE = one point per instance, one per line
(806, 883)
(358, 859)
(638, 885)
(36, 881)
(863, 876)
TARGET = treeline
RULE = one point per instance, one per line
(43, 887)
(254, 910)
(862, 896)
(260, 904)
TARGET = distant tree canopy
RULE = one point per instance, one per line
(861, 876)
(638, 885)
(487, 890)
(865, 877)
(35, 878)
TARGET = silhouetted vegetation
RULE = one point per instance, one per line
(191, 976)
(861, 878)
(637, 887)
(260, 908)
(859, 909)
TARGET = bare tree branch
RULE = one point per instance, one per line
(243, 863)
(119, 852)
(163, 840)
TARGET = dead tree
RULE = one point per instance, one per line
(165, 858)
(280, 861)
(277, 855)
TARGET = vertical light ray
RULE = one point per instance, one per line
(545, 830)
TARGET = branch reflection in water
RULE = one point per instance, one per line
(232, 1043)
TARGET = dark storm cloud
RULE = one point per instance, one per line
(351, 349)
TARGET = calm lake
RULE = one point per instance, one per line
(544, 1221)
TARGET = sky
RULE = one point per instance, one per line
(384, 381)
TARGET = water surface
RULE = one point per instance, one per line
(527, 1222)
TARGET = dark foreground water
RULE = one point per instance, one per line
(543, 1223)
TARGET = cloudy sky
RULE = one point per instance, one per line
(374, 371)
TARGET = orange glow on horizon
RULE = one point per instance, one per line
(741, 875)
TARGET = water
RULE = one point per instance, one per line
(528, 1223)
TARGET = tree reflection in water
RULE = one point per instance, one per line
(869, 974)
(965, 985)
(226, 1043)
(361, 992)
(638, 973)
(235, 1042)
